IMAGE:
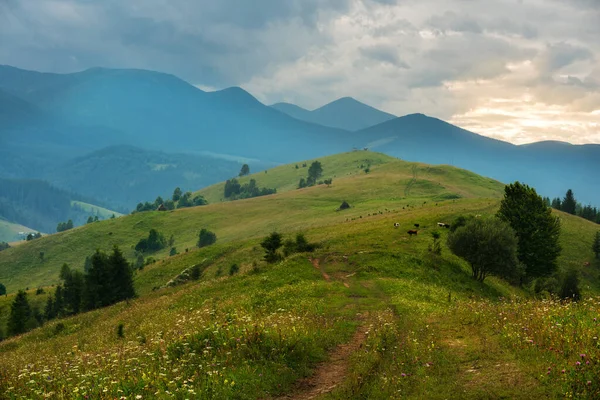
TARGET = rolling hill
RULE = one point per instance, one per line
(345, 113)
(371, 301)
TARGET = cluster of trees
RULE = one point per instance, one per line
(315, 171)
(154, 242)
(520, 244)
(4, 246)
(272, 243)
(108, 280)
(178, 200)
(64, 226)
(234, 190)
(570, 205)
(33, 236)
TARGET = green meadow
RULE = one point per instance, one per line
(372, 313)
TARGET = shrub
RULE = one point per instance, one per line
(436, 246)
(173, 251)
(206, 238)
(344, 205)
(39, 291)
(154, 242)
(121, 330)
(195, 273)
(489, 246)
(234, 269)
(569, 288)
(271, 244)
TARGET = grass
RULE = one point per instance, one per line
(9, 232)
(101, 212)
(431, 329)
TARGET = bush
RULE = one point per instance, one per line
(154, 242)
(173, 251)
(195, 273)
(489, 246)
(271, 244)
(344, 205)
(234, 269)
(121, 330)
(436, 246)
(4, 246)
(569, 288)
(206, 238)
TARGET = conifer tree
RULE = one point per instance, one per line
(537, 229)
(569, 204)
(20, 314)
(73, 288)
(59, 302)
(96, 291)
(121, 277)
(596, 245)
(49, 309)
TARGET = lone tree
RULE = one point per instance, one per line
(20, 314)
(489, 246)
(595, 246)
(206, 238)
(245, 170)
(569, 204)
(314, 172)
(271, 244)
(537, 229)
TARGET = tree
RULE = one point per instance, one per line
(121, 277)
(91, 219)
(73, 282)
(59, 301)
(2, 289)
(556, 203)
(176, 195)
(302, 183)
(489, 246)
(271, 244)
(232, 188)
(96, 291)
(206, 238)
(245, 170)
(20, 314)
(315, 171)
(4, 246)
(49, 309)
(154, 242)
(595, 246)
(569, 204)
(537, 229)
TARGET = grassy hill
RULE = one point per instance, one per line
(410, 323)
(9, 232)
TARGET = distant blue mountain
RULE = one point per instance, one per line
(73, 114)
(345, 113)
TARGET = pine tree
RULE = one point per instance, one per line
(245, 170)
(537, 229)
(59, 301)
(73, 288)
(569, 204)
(49, 309)
(556, 203)
(96, 291)
(176, 195)
(20, 314)
(121, 276)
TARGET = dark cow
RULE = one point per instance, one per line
(413, 232)
(417, 225)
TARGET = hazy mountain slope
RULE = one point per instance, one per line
(163, 112)
(550, 166)
(9, 232)
(126, 175)
(293, 111)
(345, 113)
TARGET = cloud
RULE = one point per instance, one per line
(494, 67)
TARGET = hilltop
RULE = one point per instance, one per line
(259, 330)
(345, 113)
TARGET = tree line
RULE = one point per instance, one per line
(179, 199)
(107, 280)
(570, 205)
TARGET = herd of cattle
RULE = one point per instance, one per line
(415, 231)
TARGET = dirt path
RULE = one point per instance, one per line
(317, 264)
(331, 373)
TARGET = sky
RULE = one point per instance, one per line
(516, 70)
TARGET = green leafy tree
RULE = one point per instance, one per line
(206, 238)
(90, 220)
(20, 314)
(537, 229)
(302, 183)
(232, 188)
(489, 246)
(154, 242)
(245, 170)
(569, 204)
(595, 246)
(315, 171)
(271, 244)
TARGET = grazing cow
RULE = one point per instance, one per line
(412, 232)
(396, 225)
(441, 224)
(446, 225)
(416, 225)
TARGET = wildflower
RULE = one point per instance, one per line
(577, 363)
(582, 355)
(403, 374)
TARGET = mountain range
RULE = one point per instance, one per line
(63, 128)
